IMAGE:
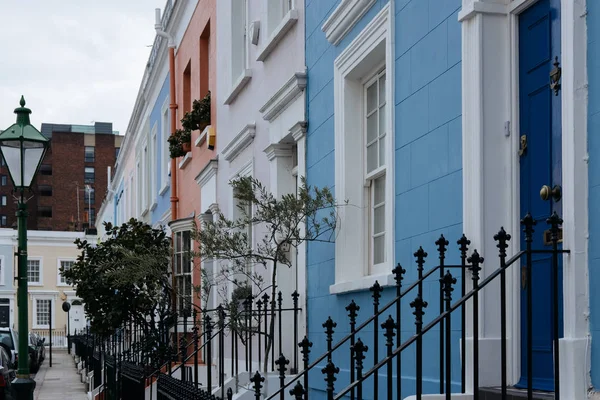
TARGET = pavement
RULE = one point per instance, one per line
(61, 381)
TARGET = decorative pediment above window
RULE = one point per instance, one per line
(240, 142)
(343, 19)
(284, 96)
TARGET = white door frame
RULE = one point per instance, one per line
(490, 164)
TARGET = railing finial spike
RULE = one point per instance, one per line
(502, 238)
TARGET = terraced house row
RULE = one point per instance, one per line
(462, 139)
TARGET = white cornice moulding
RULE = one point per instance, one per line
(278, 34)
(240, 142)
(207, 172)
(479, 7)
(343, 19)
(186, 159)
(298, 131)
(278, 150)
(284, 96)
(182, 224)
(238, 85)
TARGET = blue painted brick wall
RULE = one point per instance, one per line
(593, 61)
(163, 201)
(428, 165)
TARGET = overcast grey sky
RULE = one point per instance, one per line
(75, 61)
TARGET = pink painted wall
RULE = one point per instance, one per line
(195, 56)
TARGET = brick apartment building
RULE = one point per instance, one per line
(72, 179)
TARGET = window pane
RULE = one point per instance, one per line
(90, 154)
(178, 242)
(372, 97)
(382, 126)
(372, 157)
(33, 271)
(379, 219)
(379, 190)
(187, 264)
(379, 249)
(382, 89)
(186, 241)
(372, 128)
(43, 312)
(382, 151)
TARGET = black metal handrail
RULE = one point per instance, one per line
(358, 349)
(366, 323)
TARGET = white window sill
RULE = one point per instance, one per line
(202, 138)
(164, 189)
(186, 159)
(278, 34)
(154, 205)
(144, 212)
(63, 285)
(238, 86)
(361, 284)
(40, 327)
(34, 284)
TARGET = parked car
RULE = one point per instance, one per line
(9, 338)
(36, 351)
(7, 374)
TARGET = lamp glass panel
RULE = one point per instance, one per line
(11, 150)
(32, 155)
(32, 158)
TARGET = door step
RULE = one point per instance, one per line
(495, 393)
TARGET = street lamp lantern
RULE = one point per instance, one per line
(23, 148)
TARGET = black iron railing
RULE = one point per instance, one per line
(136, 357)
(298, 385)
(371, 350)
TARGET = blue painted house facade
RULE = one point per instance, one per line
(442, 117)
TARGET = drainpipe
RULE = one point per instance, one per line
(173, 107)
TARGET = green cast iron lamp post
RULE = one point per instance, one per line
(23, 148)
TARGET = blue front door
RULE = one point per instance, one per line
(540, 164)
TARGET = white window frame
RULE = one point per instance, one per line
(4, 200)
(59, 261)
(132, 205)
(41, 281)
(276, 12)
(366, 55)
(145, 166)
(239, 75)
(280, 17)
(34, 299)
(165, 158)
(152, 170)
(246, 170)
(178, 227)
(2, 271)
(378, 172)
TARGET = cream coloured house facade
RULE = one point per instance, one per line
(47, 252)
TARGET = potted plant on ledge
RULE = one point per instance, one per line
(178, 142)
(199, 117)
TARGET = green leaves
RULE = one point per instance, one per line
(124, 277)
(309, 215)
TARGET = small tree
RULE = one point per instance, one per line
(123, 278)
(309, 216)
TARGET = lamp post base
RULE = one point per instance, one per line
(23, 387)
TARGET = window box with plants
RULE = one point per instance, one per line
(196, 119)
(180, 143)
